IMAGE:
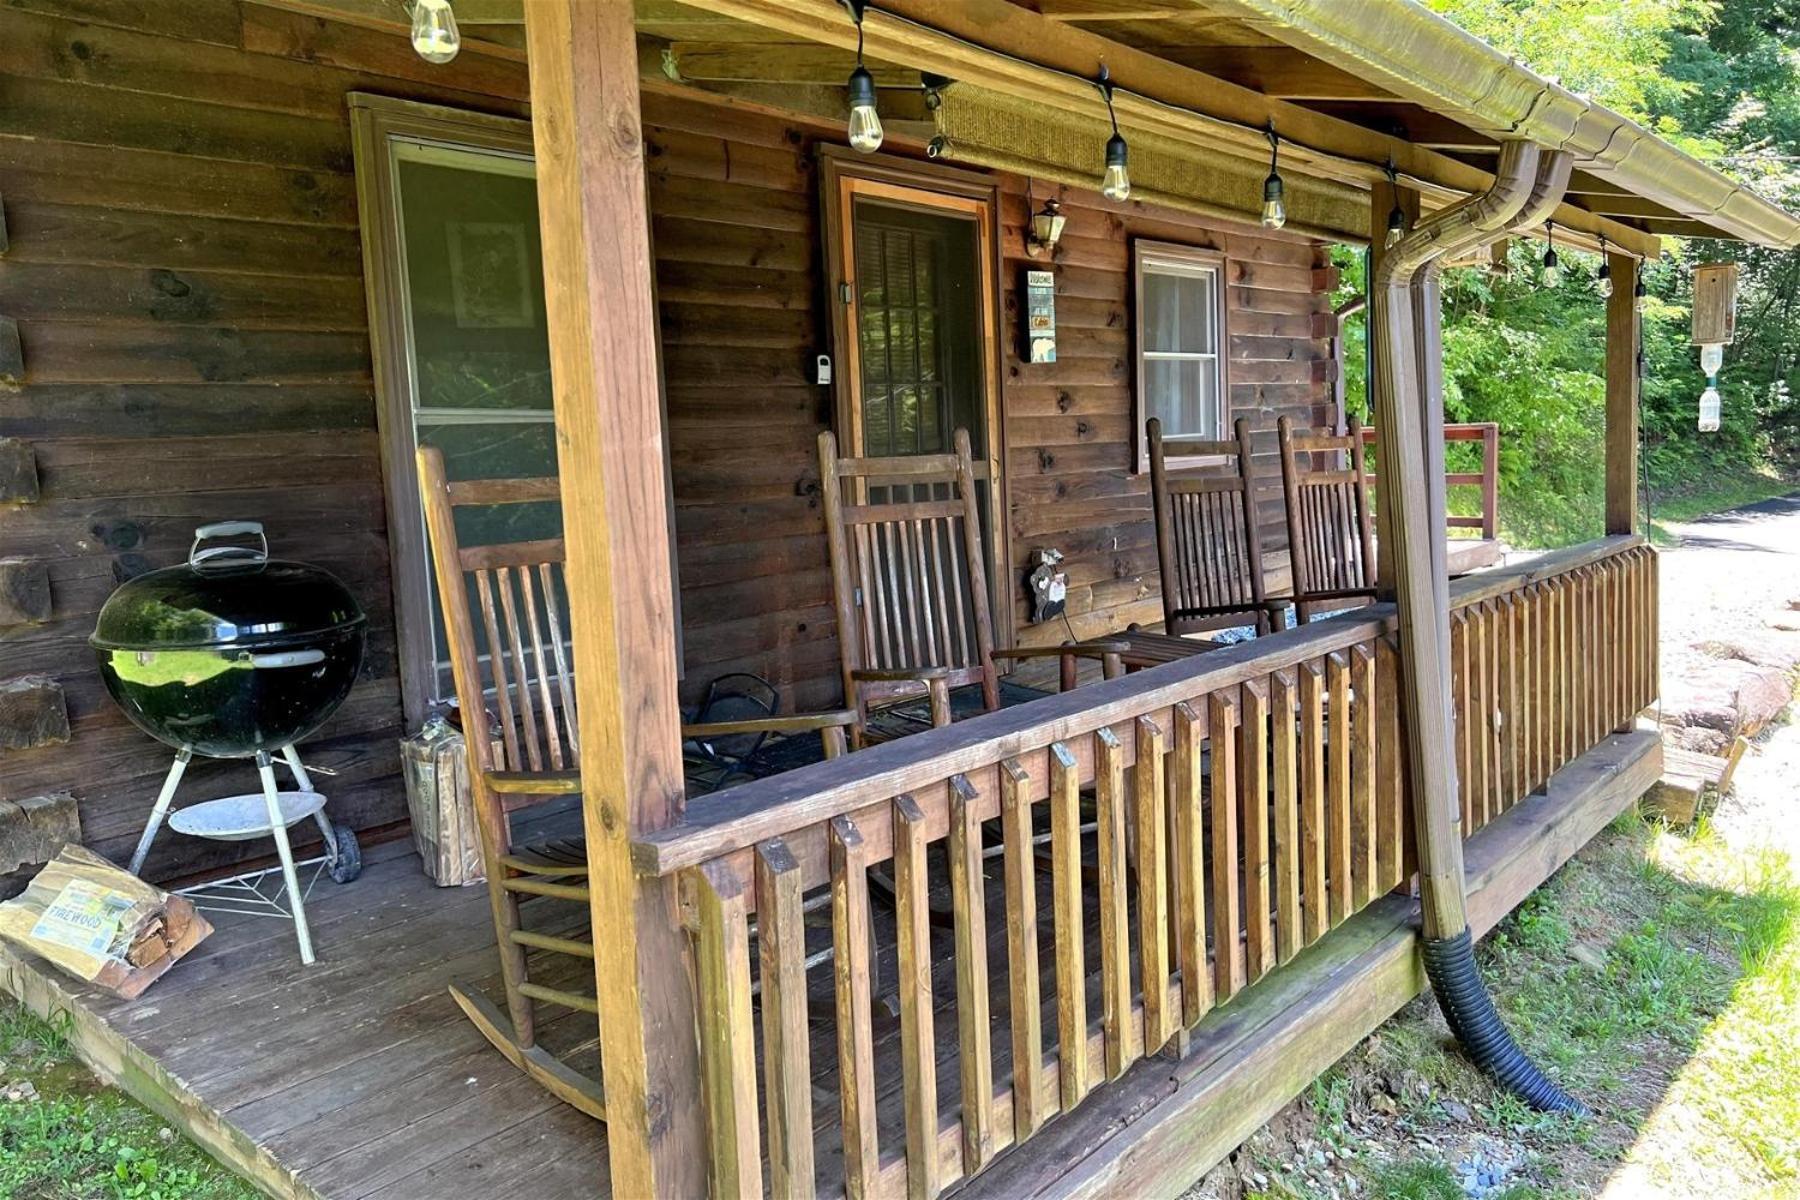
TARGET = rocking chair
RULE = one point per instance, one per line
(1331, 535)
(1207, 542)
(910, 580)
(520, 665)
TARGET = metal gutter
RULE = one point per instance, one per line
(1405, 48)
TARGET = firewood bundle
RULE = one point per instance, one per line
(102, 924)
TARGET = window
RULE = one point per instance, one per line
(462, 355)
(1180, 336)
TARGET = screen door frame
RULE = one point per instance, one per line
(847, 177)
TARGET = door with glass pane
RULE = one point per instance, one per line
(914, 275)
(461, 348)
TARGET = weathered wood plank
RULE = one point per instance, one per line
(1253, 767)
(787, 1041)
(1222, 798)
(918, 1039)
(1150, 807)
(1073, 1080)
(1315, 908)
(1186, 796)
(1115, 918)
(1337, 678)
(727, 1032)
(974, 1034)
(1025, 1005)
(850, 941)
(1290, 933)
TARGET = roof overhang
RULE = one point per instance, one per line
(1403, 48)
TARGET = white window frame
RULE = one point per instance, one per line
(1169, 258)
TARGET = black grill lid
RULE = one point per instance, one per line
(225, 596)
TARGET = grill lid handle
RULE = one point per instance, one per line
(225, 529)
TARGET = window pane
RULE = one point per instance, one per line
(1180, 311)
(1162, 311)
(474, 280)
(1197, 311)
(1184, 394)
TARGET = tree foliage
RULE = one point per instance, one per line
(1722, 80)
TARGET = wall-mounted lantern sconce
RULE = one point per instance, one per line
(1046, 229)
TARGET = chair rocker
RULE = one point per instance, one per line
(1331, 536)
(514, 668)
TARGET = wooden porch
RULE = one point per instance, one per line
(360, 1078)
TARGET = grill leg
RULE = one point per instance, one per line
(296, 902)
(292, 758)
(163, 799)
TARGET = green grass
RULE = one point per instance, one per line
(79, 1140)
(1657, 976)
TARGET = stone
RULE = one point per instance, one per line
(32, 713)
(1457, 1111)
(33, 830)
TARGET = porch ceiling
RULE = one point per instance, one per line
(1204, 75)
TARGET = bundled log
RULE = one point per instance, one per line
(102, 924)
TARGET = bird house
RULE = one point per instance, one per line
(1715, 303)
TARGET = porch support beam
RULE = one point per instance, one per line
(1624, 336)
(602, 323)
(1007, 48)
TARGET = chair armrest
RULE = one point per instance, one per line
(1073, 650)
(794, 723)
(533, 783)
(899, 674)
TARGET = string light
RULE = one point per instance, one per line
(1552, 268)
(865, 123)
(1115, 184)
(1396, 222)
(1274, 209)
(434, 32)
(1640, 291)
(1603, 281)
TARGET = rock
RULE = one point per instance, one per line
(1589, 955)
(1776, 648)
(1457, 1111)
(19, 1090)
(1732, 698)
(1698, 738)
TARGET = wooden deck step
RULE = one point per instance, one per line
(1687, 774)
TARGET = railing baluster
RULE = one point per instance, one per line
(1253, 768)
(918, 1038)
(855, 1034)
(787, 1051)
(1337, 817)
(1073, 1080)
(1461, 711)
(974, 1033)
(1506, 695)
(1150, 803)
(1314, 906)
(1190, 862)
(727, 1032)
(1228, 950)
(1115, 919)
(1285, 796)
(1390, 751)
(1024, 1001)
(1362, 776)
(1481, 716)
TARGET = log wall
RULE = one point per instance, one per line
(185, 275)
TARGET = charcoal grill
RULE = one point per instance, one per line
(236, 655)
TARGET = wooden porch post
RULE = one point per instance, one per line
(602, 322)
(1382, 200)
(1624, 332)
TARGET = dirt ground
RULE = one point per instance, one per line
(1654, 975)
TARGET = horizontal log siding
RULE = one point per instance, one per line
(1070, 424)
(186, 275)
(187, 278)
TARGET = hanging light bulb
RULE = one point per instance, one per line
(865, 123)
(1552, 268)
(1115, 184)
(1396, 222)
(434, 33)
(1603, 280)
(1274, 208)
(1640, 291)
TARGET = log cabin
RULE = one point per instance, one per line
(255, 253)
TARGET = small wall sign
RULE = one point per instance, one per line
(1040, 316)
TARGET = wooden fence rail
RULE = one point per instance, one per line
(1487, 478)
(1158, 844)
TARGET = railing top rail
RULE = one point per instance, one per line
(1460, 431)
(742, 816)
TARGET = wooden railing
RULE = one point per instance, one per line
(1178, 833)
(1487, 479)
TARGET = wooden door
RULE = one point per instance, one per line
(913, 268)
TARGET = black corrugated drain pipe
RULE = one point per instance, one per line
(1407, 370)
